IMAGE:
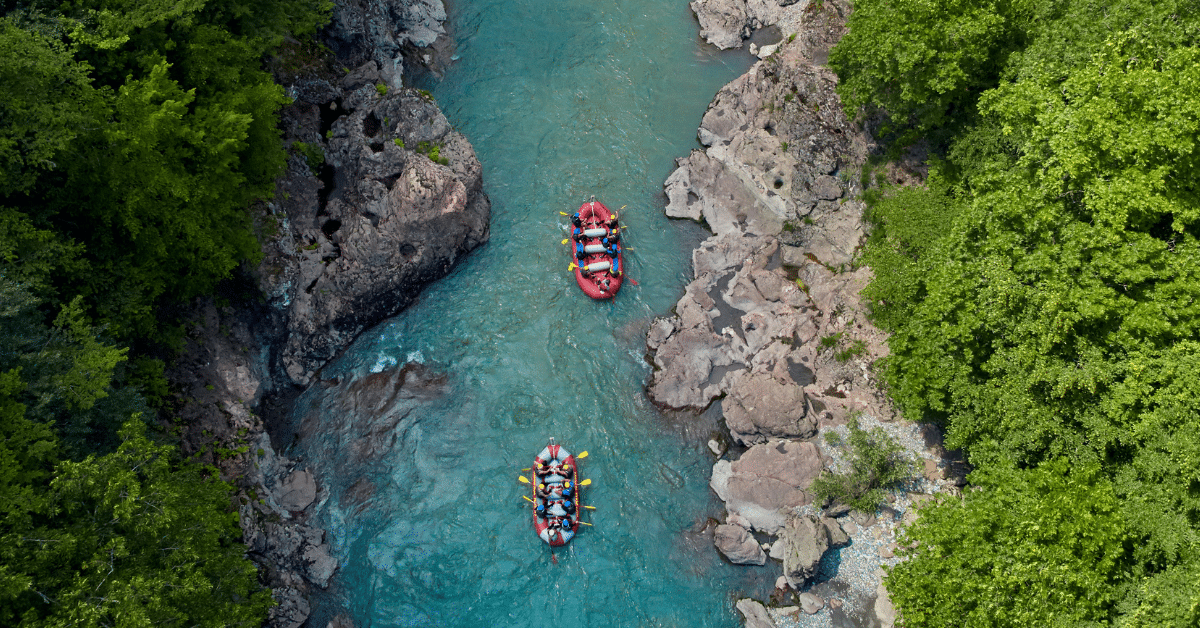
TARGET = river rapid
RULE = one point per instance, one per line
(562, 100)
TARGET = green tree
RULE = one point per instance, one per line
(1040, 547)
(134, 539)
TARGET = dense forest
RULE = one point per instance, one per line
(1043, 295)
(134, 136)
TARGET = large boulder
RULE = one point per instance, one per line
(804, 540)
(736, 544)
(759, 407)
(755, 613)
(767, 481)
(723, 23)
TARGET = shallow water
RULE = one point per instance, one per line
(562, 100)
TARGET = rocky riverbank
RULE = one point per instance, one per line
(772, 325)
(381, 196)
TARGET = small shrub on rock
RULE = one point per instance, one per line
(876, 463)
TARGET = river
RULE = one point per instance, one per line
(562, 100)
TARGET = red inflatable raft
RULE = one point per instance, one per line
(555, 485)
(596, 246)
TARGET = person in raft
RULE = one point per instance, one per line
(613, 250)
(577, 220)
(612, 222)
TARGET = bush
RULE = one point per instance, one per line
(876, 464)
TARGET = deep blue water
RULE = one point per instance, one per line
(562, 100)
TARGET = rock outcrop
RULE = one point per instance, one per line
(772, 324)
(383, 31)
(766, 481)
(400, 202)
(381, 196)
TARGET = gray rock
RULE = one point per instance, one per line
(320, 564)
(837, 510)
(379, 30)
(837, 536)
(810, 603)
(291, 609)
(806, 541)
(736, 543)
(884, 610)
(755, 614)
(394, 221)
(864, 519)
(760, 407)
(827, 188)
(765, 481)
(297, 491)
(723, 23)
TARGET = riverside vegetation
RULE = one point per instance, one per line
(133, 138)
(1043, 295)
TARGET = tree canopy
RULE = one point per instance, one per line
(1042, 294)
(134, 137)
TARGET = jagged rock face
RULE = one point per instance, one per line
(381, 30)
(775, 137)
(384, 221)
(723, 23)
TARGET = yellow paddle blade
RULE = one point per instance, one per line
(564, 240)
(564, 213)
(526, 497)
(590, 507)
(572, 267)
(586, 482)
(585, 523)
(526, 468)
(622, 207)
(522, 479)
(582, 454)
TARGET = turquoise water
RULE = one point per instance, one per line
(562, 100)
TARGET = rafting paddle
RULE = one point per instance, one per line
(585, 482)
(526, 497)
(522, 479)
(582, 455)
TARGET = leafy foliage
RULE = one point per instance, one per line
(140, 133)
(876, 463)
(134, 136)
(1043, 292)
(127, 536)
(1042, 547)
